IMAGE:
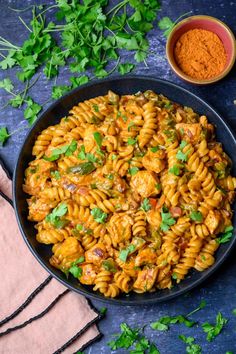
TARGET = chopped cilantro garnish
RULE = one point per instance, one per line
(175, 170)
(96, 108)
(183, 144)
(99, 215)
(155, 148)
(82, 153)
(182, 156)
(196, 216)
(133, 170)
(56, 174)
(226, 236)
(113, 157)
(131, 124)
(214, 330)
(54, 217)
(66, 149)
(145, 205)
(167, 221)
(131, 141)
(74, 269)
(158, 186)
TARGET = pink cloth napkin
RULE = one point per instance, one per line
(37, 314)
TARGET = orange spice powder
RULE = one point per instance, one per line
(200, 54)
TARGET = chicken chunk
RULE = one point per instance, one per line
(39, 208)
(212, 220)
(154, 161)
(145, 280)
(145, 256)
(144, 183)
(88, 274)
(192, 131)
(96, 254)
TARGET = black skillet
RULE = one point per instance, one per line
(59, 109)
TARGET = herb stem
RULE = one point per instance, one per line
(22, 21)
(117, 8)
(21, 10)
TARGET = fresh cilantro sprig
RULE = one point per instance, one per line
(54, 217)
(163, 323)
(166, 24)
(226, 235)
(90, 37)
(166, 220)
(4, 135)
(32, 109)
(133, 338)
(191, 348)
(214, 330)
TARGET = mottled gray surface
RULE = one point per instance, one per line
(220, 290)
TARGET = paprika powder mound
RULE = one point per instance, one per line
(200, 54)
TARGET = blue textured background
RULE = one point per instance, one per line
(220, 290)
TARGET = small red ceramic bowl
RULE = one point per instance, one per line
(207, 23)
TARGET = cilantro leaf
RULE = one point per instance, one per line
(166, 25)
(133, 171)
(131, 141)
(7, 85)
(226, 235)
(126, 339)
(163, 323)
(175, 170)
(214, 330)
(71, 148)
(167, 221)
(125, 252)
(103, 310)
(56, 174)
(32, 110)
(155, 148)
(125, 68)
(196, 216)
(183, 144)
(66, 149)
(9, 61)
(4, 135)
(191, 348)
(59, 91)
(182, 156)
(145, 205)
(54, 217)
(98, 215)
(75, 271)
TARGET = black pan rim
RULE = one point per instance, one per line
(93, 295)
